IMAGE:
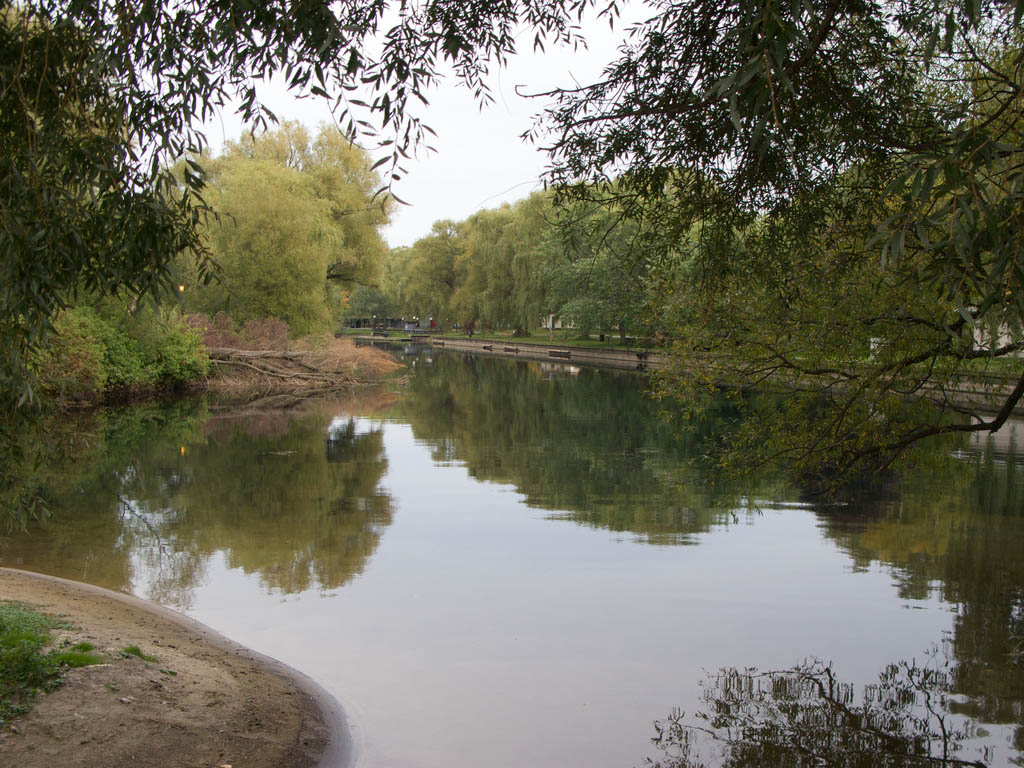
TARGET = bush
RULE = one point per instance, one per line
(172, 351)
(122, 359)
(97, 350)
(72, 365)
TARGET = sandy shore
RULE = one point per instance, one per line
(206, 702)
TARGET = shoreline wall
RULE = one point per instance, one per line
(975, 392)
(620, 359)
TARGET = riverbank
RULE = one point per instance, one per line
(984, 392)
(205, 702)
(619, 358)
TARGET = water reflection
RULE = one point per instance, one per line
(588, 447)
(808, 716)
(963, 544)
(556, 627)
(585, 444)
(291, 496)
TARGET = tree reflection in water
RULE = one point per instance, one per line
(806, 716)
(293, 497)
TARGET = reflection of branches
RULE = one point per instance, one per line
(805, 716)
(1017, 651)
(128, 507)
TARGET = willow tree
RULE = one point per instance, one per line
(845, 180)
(342, 177)
(430, 276)
(500, 265)
(294, 212)
(270, 246)
(764, 106)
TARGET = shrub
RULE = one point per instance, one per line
(72, 364)
(172, 351)
(96, 351)
(123, 363)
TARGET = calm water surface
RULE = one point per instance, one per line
(514, 564)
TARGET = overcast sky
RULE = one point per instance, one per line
(480, 161)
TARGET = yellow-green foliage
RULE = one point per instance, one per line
(293, 212)
(273, 244)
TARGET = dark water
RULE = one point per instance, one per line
(515, 564)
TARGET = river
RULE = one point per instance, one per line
(500, 563)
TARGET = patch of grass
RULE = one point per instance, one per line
(134, 650)
(73, 659)
(18, 616)
(25, 666)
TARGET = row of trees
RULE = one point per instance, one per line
(843, 177)
(513, 267)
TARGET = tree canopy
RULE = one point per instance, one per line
(294, 211)
(850, 175)
(828, 134)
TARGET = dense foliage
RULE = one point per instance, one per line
(519, 266)
(294, 211)
(102, 350)
(765, 154)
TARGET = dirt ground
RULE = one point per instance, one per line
(204, 703)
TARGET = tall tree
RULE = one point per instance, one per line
(294, 212)
(432, 275)
(272, 245)
(343, 178)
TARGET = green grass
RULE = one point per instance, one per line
(72, 659)
(134, 650)
(26, 666)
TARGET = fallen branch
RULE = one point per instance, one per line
(332, 365)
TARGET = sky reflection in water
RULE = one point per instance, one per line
(510, 565)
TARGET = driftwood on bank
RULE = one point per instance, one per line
(302, 368)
